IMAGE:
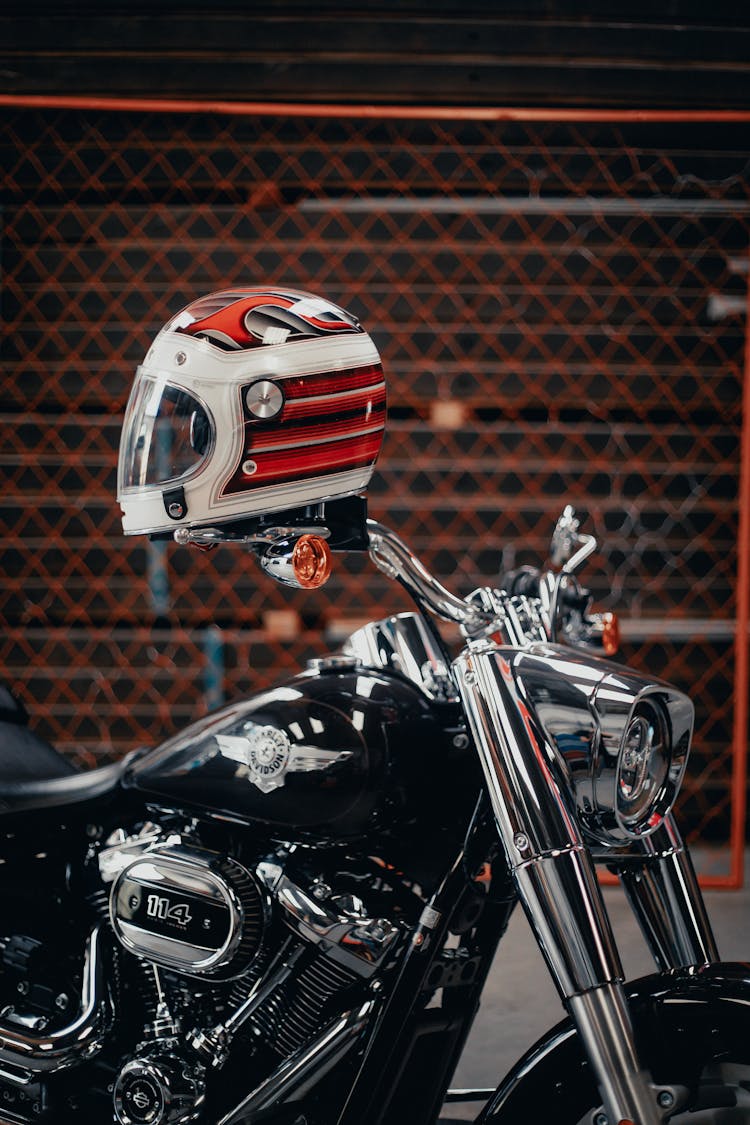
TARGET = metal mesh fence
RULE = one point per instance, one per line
(560, 311)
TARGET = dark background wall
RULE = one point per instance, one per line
(681, 53)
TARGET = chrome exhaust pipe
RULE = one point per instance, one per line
(78, 1040)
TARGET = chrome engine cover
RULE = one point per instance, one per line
(195, 911)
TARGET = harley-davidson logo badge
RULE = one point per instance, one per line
(269, 755)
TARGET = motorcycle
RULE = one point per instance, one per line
(287, 912)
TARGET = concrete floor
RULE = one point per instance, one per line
(520, 1002)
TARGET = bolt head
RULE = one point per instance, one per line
(665, 1099)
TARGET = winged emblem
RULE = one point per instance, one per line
(269, 755)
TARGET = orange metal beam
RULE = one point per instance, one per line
(739, 754)
(391, 112)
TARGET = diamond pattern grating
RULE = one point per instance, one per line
(560, 310)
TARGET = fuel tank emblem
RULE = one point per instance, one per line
(269, 755)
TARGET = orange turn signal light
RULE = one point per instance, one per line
(311, 561)
(610, 634)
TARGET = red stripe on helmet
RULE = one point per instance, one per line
(317, 429)
(363, 402)
(312, 461)
(327, 382)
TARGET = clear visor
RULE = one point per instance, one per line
(167, 435)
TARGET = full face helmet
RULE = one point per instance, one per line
(249, 402)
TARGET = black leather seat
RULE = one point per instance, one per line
(24, 756)
(33, 775)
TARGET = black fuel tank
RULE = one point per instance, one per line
(332, 753)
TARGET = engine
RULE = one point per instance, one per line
(186, 971)
(240, 964)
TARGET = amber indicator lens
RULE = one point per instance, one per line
(610, 634)
(311, 561)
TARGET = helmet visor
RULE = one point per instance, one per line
(167, 435)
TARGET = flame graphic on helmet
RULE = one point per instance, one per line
(237, 319)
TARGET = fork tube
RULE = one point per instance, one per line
(554, 874)
(663, 892)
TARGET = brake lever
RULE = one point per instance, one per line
(565, 538)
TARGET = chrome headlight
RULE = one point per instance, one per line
(642, 766)
(642, 753)
(623, 738)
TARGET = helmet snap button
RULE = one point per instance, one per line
(264, 399)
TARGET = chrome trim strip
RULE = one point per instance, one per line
(475, 1094)
(16, 1076)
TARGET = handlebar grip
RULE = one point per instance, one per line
(523, 582)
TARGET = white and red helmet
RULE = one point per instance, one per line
(249, 401)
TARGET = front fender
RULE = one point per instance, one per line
(683, 1020)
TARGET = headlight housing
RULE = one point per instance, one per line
(623, 738)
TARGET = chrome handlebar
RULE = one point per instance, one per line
(392, 556)
(520, 618)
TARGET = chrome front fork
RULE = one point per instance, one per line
(556, 879)
(662, 889)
